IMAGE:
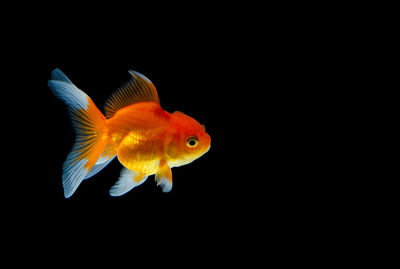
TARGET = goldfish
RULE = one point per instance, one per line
(146, 139)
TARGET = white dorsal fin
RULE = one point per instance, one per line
(138, 89)
(127, 181)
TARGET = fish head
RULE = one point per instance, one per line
(186, 140)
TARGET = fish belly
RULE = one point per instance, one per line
(139, 154)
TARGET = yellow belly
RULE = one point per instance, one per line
(139, 154)
(145, 167)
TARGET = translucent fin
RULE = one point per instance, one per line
(58, 75)
(89, 124)
(165, 184)
(98, 167)
(127, 181)
(164, 176)
(138, 89)
(105, 159)
(69, 94)
(74, 170)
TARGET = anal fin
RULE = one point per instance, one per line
(127, 181)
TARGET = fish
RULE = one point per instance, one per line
(146, 139)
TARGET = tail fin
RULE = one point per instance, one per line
(89, 124)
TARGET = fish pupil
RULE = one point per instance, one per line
(192, 142)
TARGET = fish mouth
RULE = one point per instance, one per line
(201, 154)
(190, 159)
(209, 147)
(207, 150)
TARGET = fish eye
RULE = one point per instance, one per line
(192, 142)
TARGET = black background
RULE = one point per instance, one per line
(250, 86)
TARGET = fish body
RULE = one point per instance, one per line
(137, 133)
(146, 139)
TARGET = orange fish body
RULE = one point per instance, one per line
(146, 139)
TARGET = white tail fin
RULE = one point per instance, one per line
(89, 125)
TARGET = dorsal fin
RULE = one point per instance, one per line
(138, 89)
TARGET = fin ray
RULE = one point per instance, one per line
(89, 124)
(127, 181)
(105, 159)
(58, 75)
(164, 176)
(98, 167)
(138, 89)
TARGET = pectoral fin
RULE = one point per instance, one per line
(164, 176)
